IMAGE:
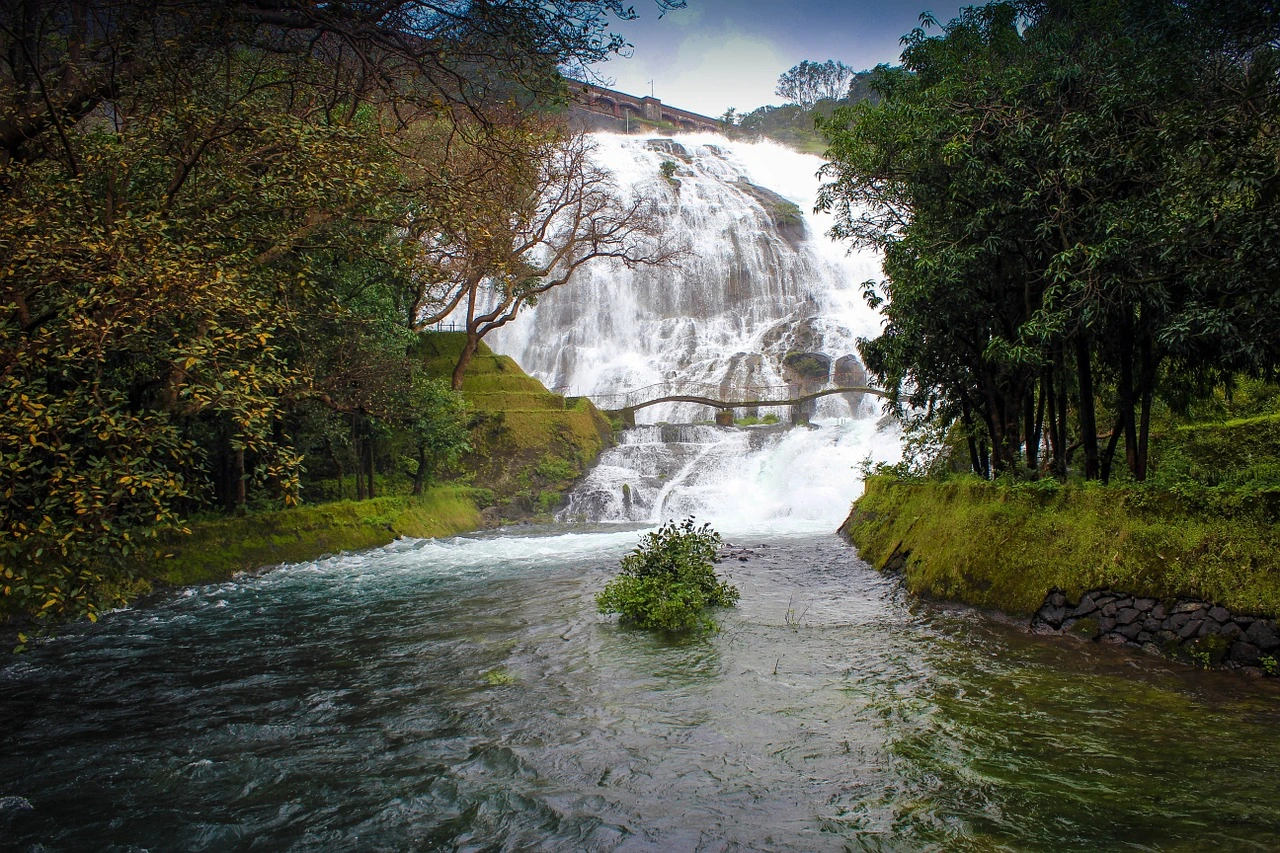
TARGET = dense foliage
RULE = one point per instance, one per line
(221, 229)
(668, 582)
(793, 123)
(1077, 202)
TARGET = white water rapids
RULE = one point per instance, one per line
(756, 287)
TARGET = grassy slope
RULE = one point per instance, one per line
(1209, 529)
(218, 549)
(531, 445)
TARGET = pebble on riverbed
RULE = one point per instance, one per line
(1197, 632)
(729, 551)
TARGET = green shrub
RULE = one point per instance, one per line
(555, 470)
(668, 582)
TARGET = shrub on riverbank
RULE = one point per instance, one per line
(669, 582)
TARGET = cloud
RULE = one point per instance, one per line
(708, 72)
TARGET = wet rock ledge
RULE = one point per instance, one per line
(1195, 632)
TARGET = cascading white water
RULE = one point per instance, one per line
(762, 298)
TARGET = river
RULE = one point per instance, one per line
(463, 695)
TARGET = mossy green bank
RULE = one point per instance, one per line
(1206, 527)
(217, 549)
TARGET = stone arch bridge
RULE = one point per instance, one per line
(619, 105)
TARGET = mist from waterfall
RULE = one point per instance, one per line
(763, 292)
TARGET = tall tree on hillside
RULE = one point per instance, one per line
(810, 82)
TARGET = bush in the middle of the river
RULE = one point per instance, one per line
(668, 583)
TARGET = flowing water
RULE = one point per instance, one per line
(463, 694)
(759, 287)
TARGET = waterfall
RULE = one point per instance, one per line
(762, 298)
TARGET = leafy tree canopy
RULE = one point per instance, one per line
(1072, 198)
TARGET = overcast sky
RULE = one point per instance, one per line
(717, 54)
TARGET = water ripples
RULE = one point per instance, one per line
(463, 695)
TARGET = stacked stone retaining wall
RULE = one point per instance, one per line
(1196, 632)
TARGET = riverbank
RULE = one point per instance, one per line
(1195, 554)
(1007, 547)
(529, 447)
(216, 549)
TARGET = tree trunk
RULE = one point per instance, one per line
(359, 472)
(1063, 418)
(357, 446)
(464, 359)
(1110, 453)
(337, 463)
(226, 495)
(1146, 388)
(1057, 436)
(238, 480)
(1088, 415)
(1030, 428)
(1126, 406)
(998, 427)
(369, 456)
(421, 476)
(1039, 430)
(966, 417)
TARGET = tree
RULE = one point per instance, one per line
(530, 229)
(437, 425)
(1031, 176)
(194, 194)
(809, 82)
(66, 59)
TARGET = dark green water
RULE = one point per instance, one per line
(464, 696)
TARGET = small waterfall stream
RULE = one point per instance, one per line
(762, 298)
